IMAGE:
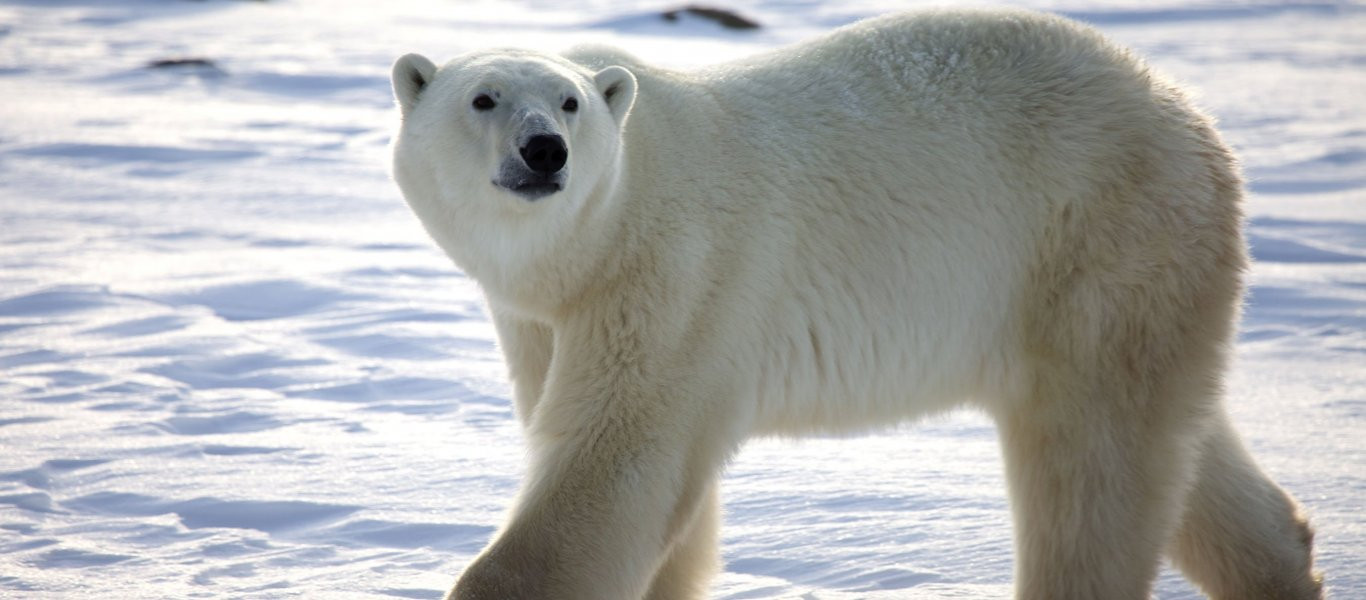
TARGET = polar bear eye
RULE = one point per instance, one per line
(484, 102)
(570, 105)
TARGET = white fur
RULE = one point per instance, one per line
(912, 213)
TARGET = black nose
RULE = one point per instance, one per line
(545, 153)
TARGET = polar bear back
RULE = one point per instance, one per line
(895, 209)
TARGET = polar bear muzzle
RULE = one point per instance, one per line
(540, 171)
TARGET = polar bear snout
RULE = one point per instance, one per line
(537, 168)
(545, 154)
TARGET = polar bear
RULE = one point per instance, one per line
(998, 209)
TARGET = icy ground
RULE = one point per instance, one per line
(232, 364)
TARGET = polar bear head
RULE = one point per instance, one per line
(527, 124)
(499, 150)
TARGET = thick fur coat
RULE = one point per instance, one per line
(993, 208)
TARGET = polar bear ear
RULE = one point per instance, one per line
(412, 73)
(618, 88)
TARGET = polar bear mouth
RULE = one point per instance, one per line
(514, 176)
(532, 189)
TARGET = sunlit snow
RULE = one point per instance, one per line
(233, 365)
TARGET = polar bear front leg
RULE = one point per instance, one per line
(694, 558)
(626, 441)
(527, 346)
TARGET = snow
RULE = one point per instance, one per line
(233, 365)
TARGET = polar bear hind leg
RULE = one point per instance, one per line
(1096, 485)
(1118, 448)
(1241, 535)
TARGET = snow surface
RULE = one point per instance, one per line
(233, 365)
